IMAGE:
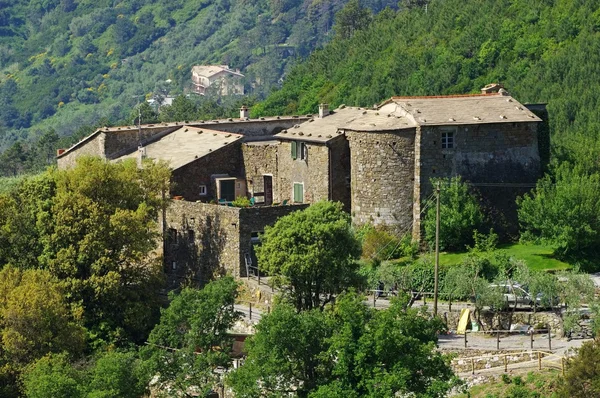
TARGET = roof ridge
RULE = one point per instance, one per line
(448, 96)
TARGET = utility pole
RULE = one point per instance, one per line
(437, 250)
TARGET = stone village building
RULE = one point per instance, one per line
(378, 162)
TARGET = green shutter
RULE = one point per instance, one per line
(294, 150)
(298, 193)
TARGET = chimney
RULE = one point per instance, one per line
(244, 112)
(492, 88)
(323, 110)
(60, 151)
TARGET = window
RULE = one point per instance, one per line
(173, 235)
(447, 140)
(191, 236)
(303, 151)
(298, 192)
(299, 150)
(202, 190)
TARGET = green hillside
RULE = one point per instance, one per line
(542, 51)
(69, 63)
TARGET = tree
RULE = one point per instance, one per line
(582, 378)
(347, 350)
(191, 340)
(460, 214)
(311, 254)
(182, 109)
(351, 18)
(35, 317)
(117, 374)
(93, 227)
(52, 376)
(35, 320)
(563, 210)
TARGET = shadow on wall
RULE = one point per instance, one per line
(195, 251)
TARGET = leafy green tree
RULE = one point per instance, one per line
(191, 341)
(182, 109)
(460, 215)
(117, 374)
(52, 376)
(351, 18)
(347, 350)
(563, 210)
(35, 317)
(583, 372)
(311, 254)
(35, 320)
(284, 354)
(148, 114)
(94, 228)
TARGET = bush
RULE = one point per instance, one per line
(381, 244)
(241, 201)
(460, 215)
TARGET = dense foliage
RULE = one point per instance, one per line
(191, 340)
(311, 254)
(67, 63)
(348, 350)
(460, 215)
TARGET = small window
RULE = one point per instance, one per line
(202, 190)
(303, 151)
(298, 192)
(294, 150)
(447, 140)
(191, 235)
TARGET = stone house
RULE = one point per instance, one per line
(378, 162)
(218, 77)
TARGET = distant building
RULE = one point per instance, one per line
(218, 77)
(378, 162)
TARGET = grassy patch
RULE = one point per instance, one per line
(535, 385)
(538, 257)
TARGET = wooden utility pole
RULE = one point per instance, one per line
(437, 250)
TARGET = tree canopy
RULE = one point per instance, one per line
(191, 342)
(311, 254)
(348, 350)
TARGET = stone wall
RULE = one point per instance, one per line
(120, 142)
(382, 174)
(92, 147)
(204, 240)
(484, 154)
(313, 172)
(186, 180)
(340, 171)
(500, 320)
(260, 159)
(253, 127)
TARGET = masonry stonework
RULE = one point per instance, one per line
(382, 174)
(494, 158)
(203, 240)
(186, 181)
(312, 172)
(260, 160)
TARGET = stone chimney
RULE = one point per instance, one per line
(492, 88)
(244, 112)
(323, 110)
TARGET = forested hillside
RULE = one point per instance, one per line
(69, 63)
(542, 51)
